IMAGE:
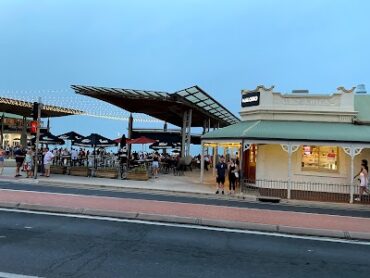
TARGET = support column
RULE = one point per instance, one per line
(2, 131)
(24, 132)
(202, 163)
(129, 135)
(352, 152)
(186, 133)
(37, 138)
(290, 149)
(215, 154)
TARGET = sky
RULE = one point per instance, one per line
(222, 46)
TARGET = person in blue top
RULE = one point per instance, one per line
(221, 169)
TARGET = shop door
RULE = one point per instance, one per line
(250, 163)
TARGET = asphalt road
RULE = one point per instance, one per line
(56, 246)
(185, 198)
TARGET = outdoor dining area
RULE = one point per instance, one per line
(98, 156)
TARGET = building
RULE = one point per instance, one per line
(16, 116)
(12, 127)
(299, 138)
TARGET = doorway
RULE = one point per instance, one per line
(250, 159)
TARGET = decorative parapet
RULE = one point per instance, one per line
(341, 88)
(259, 88)
(265, 104)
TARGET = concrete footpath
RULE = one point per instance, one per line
(197, 214)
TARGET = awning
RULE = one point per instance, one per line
(24, 108)
(293, 131)
(169, 107)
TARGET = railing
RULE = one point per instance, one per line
(310, 191)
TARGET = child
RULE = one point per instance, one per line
(28, 164)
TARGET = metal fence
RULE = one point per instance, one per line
(310, 191)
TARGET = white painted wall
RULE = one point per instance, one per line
(272, 164)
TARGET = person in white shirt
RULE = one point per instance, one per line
(48, 159)
(74, 157)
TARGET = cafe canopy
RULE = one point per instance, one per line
(169, 107)
(190, 107)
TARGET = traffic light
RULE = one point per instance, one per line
(33, 128)
(35, 111)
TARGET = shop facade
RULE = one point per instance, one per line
(290, 141)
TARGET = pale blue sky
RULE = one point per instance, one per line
(222, 46)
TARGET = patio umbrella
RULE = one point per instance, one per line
(160, 146)
(142, 140)
(95, 140)
(71, 136)
(164, 145)
(48, 138)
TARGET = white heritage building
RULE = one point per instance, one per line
(300, 139)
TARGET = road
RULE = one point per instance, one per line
(186, 198)
(57, 246)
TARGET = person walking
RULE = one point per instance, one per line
(48, 159)
(155, 165)
(2, 160)
(364, 179)
(221, 169)
(232, 173)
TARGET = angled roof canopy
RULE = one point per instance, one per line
(24, 108)
(168, 107)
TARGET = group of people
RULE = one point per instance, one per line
(231, 170)
(156, 158)
(25, 160)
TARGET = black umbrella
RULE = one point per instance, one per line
(161, 145)
(72, 136)
(48, 138)
(95, 140)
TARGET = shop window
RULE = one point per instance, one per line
(320, 158)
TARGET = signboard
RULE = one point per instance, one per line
(251, 99)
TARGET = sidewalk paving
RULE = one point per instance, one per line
(209, 215)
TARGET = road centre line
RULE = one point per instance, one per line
(189, 226)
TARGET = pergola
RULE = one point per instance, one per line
(191, 107)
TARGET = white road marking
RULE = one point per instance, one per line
(189, 226)
(13, 275)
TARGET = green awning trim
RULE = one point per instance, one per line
(362, 106)
(293, 130)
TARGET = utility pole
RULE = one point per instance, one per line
(37, 137)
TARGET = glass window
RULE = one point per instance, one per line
(319, 158)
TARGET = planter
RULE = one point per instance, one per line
(137, 176)
(111, 173)
(140, 173)
(79, 171)
(57, 169)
